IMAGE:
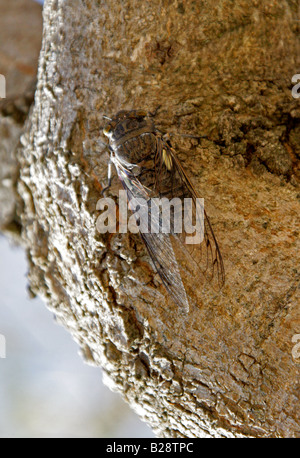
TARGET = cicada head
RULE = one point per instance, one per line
(124, 121)
(130, 135)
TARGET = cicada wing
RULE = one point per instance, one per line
(163, 257)
(158, 244)
(203, 260)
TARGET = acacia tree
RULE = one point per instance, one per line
(219, 71)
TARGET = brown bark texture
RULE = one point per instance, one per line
(20, 44)
(220, 71)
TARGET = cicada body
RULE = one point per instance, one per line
(148, 168)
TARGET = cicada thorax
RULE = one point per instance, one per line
(132, 139)
(136, 149)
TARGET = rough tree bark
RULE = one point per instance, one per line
(220, 70)
(20, 44)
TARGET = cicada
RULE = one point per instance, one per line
(148, 168)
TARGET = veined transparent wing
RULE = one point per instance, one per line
(205, 259)
(159, 245)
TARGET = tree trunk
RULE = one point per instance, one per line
(221, 71)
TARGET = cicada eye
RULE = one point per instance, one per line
(107, 130)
